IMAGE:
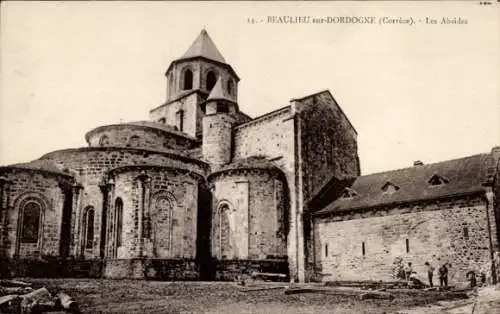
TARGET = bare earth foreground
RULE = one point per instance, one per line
(138, 296)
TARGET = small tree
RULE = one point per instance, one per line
(398, 268)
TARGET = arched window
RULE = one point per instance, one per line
(118, 222)
(230, 87)
(133, 141)
(211, 80)
(31, 218)
(170, 84)
(163, 224)
(104, 140)
(88, 228)
(188, 80)
(223, 236)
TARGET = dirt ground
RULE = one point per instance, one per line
(139, 296)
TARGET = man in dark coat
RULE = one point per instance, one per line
(443, 276)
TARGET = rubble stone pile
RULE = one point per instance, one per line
(20, 298)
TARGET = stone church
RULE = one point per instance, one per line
(203, 191)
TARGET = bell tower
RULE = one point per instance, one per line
(190, 80)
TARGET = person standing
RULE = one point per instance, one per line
(430, 273)
(408, 270)
(443, 276)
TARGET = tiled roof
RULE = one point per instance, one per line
(203, 46)
(42, 164)
(464, 175)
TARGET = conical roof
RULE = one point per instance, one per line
(203, 46)
(218, 93)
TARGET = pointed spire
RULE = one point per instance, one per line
(203, 46)
(218, 92)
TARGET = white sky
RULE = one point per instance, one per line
(427, 92)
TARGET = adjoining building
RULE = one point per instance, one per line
(203, 191)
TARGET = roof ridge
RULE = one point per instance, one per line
(424, 165)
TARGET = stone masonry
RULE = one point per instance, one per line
(203, 191)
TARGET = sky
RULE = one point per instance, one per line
(428, 92)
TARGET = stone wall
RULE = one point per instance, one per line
(454, 231)
(159, 217)
(278, 145)
(157, 269)
(192, 113)
(51, 267)
(328, 143)
(249, 206)
(217, 138)
(126, 135)
(270, 135)
(328, 148)
(229, 270)
(90, 167)
(24, 186)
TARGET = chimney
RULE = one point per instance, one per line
(418, 163)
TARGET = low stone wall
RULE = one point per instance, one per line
(231, 269)
(156, 269)
(51, 268)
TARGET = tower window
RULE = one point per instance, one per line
(222, 108)
(466, 233)
(170, 84)
(188, 80)
(407, 245)
(180, 120)
(230, 87)
(211, 80)
(363, 249)
(326, 250)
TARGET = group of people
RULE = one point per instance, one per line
(411, 276)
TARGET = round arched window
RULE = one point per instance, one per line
(104, 140)
(118, 221)
(133, 141)
(88, 228)
(31, 218)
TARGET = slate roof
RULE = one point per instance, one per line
(464, 175)
(218, 93)
(148, 124)
(160, 126)
(203, 46)
(42, 164)
(253, 162)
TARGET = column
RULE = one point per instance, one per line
(75, 223)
